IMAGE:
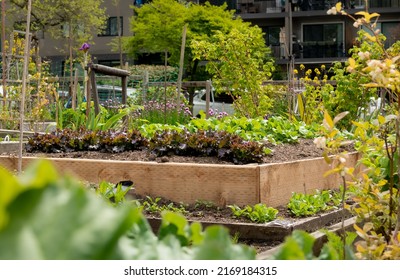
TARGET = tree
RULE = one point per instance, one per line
(157, 27)
(72, 19)
(239, 62)
(87, 18)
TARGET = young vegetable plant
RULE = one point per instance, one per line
(258, 213)
(114, 193)
(154, 206)
(301, 205)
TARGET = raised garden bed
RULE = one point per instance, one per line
(276, 230)
(221, 184)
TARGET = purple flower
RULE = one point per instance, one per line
(85, 47)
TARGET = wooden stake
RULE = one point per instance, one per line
(24, 78)
(75, 90)
(3, 48)
(181, 62)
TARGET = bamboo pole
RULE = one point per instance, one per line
(181, 62)
(75, 90)
(3, 53)
(24, 78)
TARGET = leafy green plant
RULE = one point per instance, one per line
(258, 213)
(44, 216)
(77, 119)
(199, 203)
(274, 129)
(300, 246)
(113, 193)
(301, 205)
(153, 205)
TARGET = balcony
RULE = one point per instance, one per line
(278, 6)
(322, 49)
(256, 6)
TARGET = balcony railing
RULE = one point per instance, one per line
(321, 49)
(278, 6)
(256, 6)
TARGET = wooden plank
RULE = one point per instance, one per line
(279, 180)
(102, 69)
(184, 84)
(180, 182)
(124, 83)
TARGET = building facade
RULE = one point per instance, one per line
(315, 37)
(101, 50)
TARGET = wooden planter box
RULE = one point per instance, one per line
(250, 184)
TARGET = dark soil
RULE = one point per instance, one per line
(203, 211)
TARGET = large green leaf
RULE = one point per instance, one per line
(61, 220)
(298, 246)
(218, 245)
(9, 189)
(47, 217)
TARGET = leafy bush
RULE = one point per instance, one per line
(258, 213)
(274, 129)
(301, 205)
(44, 216)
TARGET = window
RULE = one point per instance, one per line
(392, 32)
(323, 40)
(380, 3)
(111, 28)
(272, 35)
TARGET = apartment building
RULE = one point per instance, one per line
(101, 50)
(316, 38)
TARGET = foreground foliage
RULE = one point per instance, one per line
(300, 246)
(375, 188)
(44, 216)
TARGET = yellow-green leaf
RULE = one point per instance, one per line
(367, 16)
(328, 122)
(340, 116)
(370, 85)
(338, 6)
